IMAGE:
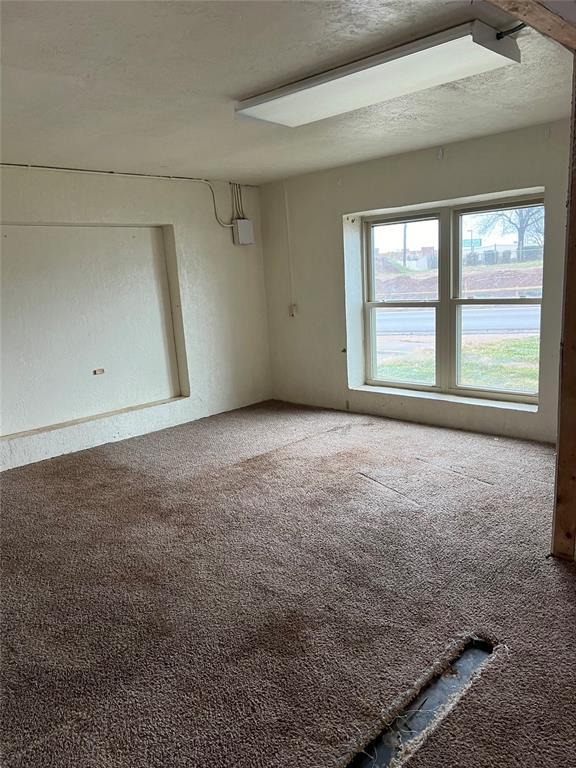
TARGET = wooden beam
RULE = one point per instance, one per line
(564, 525)
(542, 19)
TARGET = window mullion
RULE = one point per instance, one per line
(497, 301)
(400, 304)
(455, 295)
(443, 322)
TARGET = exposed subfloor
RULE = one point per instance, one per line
(440, 692)
(265, 589)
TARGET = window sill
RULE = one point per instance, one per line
(441, 397)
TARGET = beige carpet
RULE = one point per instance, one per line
(261, 589)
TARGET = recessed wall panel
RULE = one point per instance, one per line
(86, 323)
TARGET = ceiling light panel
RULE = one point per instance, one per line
(463, 51)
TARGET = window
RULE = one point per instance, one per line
(453, 300)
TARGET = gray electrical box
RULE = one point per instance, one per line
(243, 232)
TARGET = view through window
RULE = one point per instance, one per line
(454, 300)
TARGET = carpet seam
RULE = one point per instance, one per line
(278, 448)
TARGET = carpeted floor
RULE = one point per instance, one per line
(262, 589)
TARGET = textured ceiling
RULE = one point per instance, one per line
(150, 86)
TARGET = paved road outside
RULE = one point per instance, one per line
(492, 319)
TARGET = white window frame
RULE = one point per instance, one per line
(447, 306)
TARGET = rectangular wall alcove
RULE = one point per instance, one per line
(91, 322)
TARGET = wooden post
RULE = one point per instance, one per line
(543, 19)
(564, 525)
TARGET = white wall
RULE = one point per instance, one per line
(221, 286)
(305, 265)
(79, 299)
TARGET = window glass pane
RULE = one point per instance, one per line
(405, 258)
(405, 345)
(501, 253)
(499, 347)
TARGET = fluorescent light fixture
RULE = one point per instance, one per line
(454, 54)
